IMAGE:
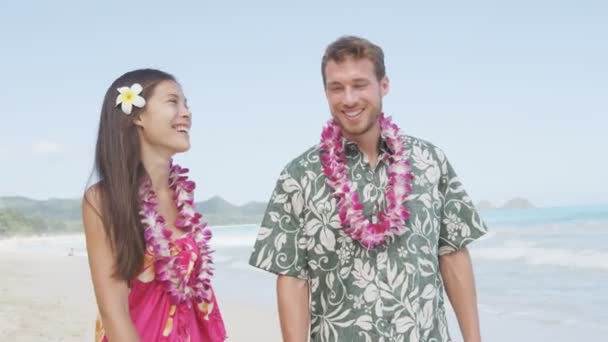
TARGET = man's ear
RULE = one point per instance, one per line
(384, 85)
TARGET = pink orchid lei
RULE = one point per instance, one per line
(350, 209)
(170, 269)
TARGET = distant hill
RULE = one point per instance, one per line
(62, 209)
(518, 203)
(13, 222)
(218, 211)
(485, 205)
(25, 216)
(515, 203)
(215, 204)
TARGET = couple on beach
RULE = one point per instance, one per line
(365, 231)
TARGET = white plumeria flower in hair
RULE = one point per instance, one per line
(129, 97)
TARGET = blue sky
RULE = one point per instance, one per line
(515, 92)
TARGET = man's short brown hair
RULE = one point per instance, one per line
(356, 48)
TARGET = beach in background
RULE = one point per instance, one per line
(542, 275)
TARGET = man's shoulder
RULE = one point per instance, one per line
(421, 146)
(307, 161)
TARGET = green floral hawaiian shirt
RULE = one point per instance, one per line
(391, 293)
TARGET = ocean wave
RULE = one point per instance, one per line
(219, 241)
(534, 255)
(544, 316)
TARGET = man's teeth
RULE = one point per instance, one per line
(182, 129)
(352, 114)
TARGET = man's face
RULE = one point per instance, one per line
(354, 95)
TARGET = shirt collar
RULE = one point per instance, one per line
(351, 148)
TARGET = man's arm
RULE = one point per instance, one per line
(294, 308)
(459, 281)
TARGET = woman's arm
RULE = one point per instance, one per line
(111, 293)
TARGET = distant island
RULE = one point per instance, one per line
(515, 203)
(21, 216)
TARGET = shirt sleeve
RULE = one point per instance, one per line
(276, 247)
(460, 221)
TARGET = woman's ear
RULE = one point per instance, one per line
(138, 121)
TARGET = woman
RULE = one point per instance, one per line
(148, 248)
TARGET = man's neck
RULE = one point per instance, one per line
(368, 144)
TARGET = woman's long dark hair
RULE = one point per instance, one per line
(119, 168)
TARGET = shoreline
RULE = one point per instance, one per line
(46, 295)
(74, 233)
(50, 298)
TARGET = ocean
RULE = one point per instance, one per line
(546, 268)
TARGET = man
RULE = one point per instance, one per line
(367, 229)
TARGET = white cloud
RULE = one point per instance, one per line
(46, 147)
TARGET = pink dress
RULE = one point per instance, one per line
(157, 318)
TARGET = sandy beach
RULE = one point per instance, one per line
(50, 298)
(46, 295)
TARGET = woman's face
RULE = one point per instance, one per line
(166, 120)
